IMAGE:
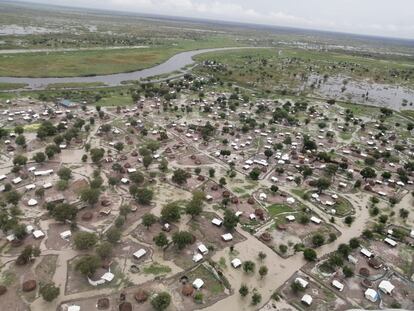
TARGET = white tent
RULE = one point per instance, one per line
(290, 218)
(338, 285)
(227, 237)
(371, 295)
(108, 276)
(197, 257)
(38, 234)
(32, 202)
(386, 287)
(217, 222)
(198, 283)
(202, 249)
(236, 262)
(140, 253)
(65, 234)
(307, 299)
(301, 282)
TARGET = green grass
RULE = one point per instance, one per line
(156, 269)
(116, 100)
(210, 282)
(54, 86)
(11, 86)
(99, 62)
(277, 209)
(8, 278)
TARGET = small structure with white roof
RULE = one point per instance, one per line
(386, 287)
(338, 285)
(236, 262)
(307, 299)
(139, 253)
(227, 237)
(37, 234)
(371, 295)
(198, 283)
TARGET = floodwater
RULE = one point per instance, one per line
(364, 92)
(175, 63)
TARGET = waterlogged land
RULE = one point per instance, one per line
(163, 177)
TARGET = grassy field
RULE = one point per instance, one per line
(287, 68)
(11, 86)
(56, 86)
(98, 62)
(277, 209)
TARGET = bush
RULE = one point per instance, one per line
(244, 290)
(161, 301)
(49, 292)
(309, 254)
(248, 266)
(85, 240)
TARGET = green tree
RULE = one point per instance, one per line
(244, 290)
(90, 195)
(104, 250)
(64, 173)
(113, 235)
(318, 240)
(21, 140)
(248, 266)
(180, 176)
(255, 173)
(63, 212)
(85, 240)
(230, 220)
(161, 239)
(87, 265)
(143, 196)
(263, 270)
(19, 160)
(182, 238)
(148, 220)
(97, 154)
(309, 254)
(322, 184)
(147, 160)
(256, 299)
(171, 212)
(161, 301)
(49, 292)
(39, 157)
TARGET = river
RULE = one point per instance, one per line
(175, 63)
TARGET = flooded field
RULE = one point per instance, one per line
(363, 92)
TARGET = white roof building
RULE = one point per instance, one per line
(66, 234)
(366, 252)
(108, 277)
(227, 237)
(371, 295)
(74, 308)
(338, 285)
(315, 220)
(139, 253)
(17, 180)
(47, 185)
(386, 287)
(203, 249)
(307, 299)
(198, 283)
(197, 257)
(217, 222)
(290, 218)
(290, 200)
(301, 282)
(32, 202)
(236, 262)
(37, 234)
(390, 242)
(30, 187)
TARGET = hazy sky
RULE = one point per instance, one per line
(394, 18)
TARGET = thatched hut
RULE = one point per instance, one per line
(103, 303)
(187, 290)
(141, 296)
(29, 285)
